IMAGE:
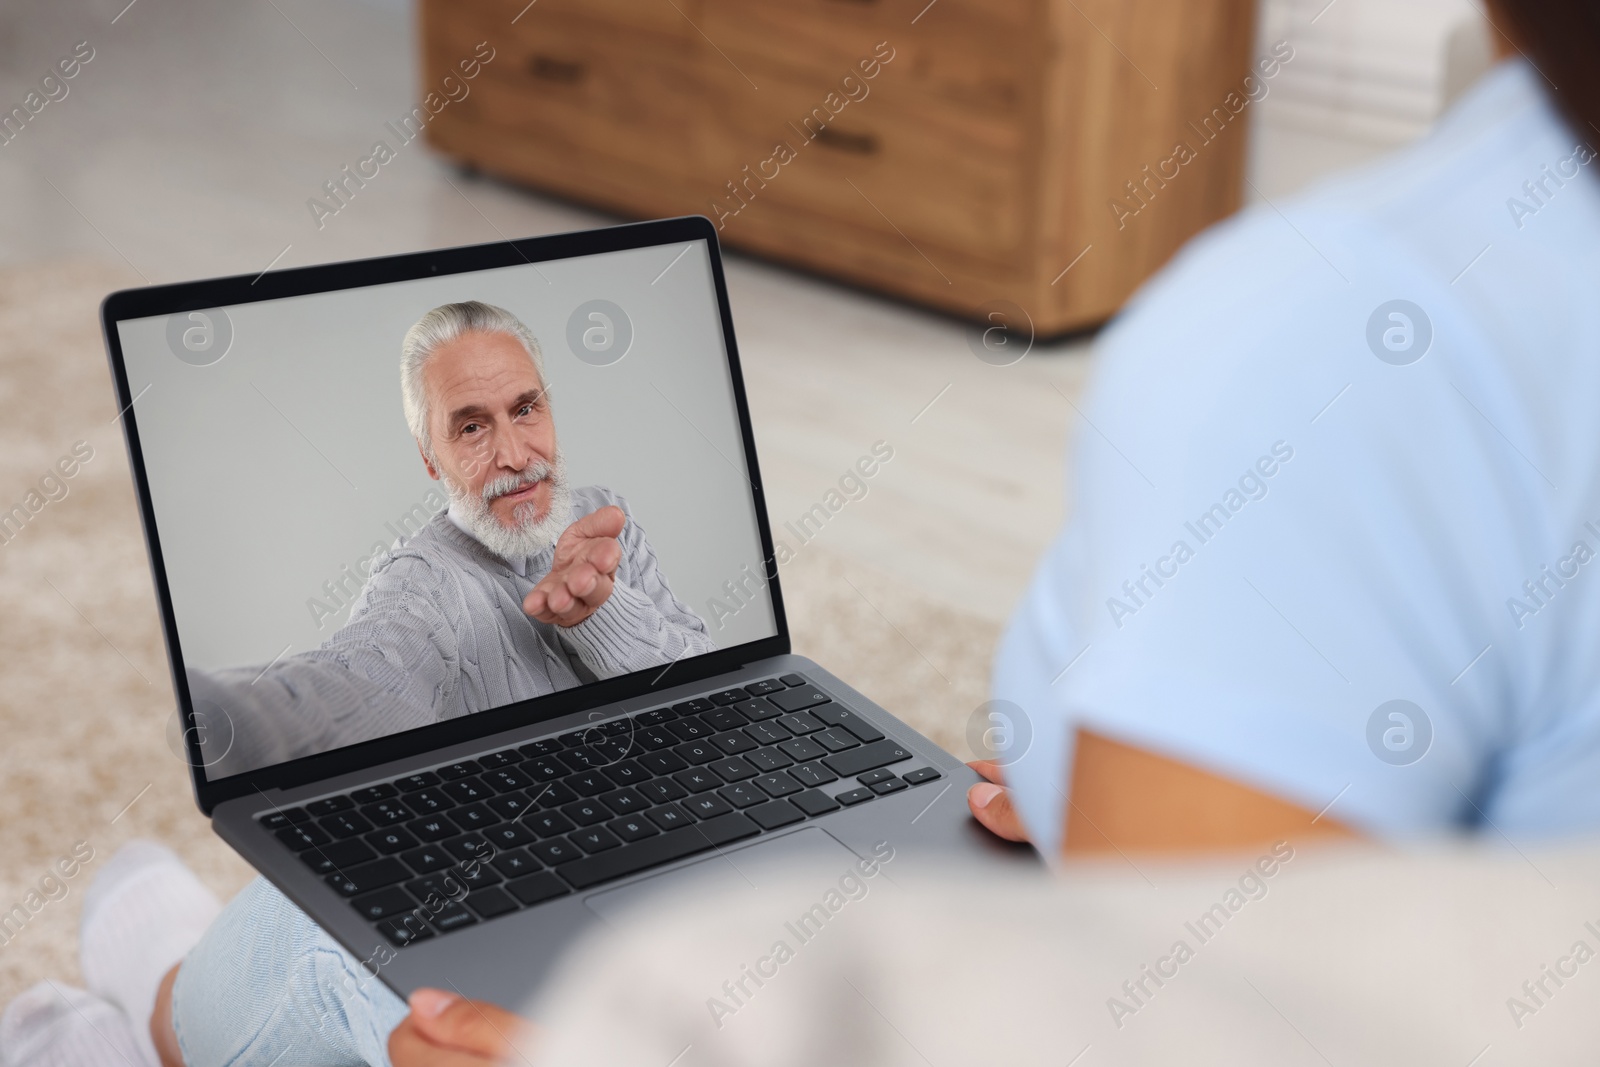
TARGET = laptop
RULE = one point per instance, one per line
(465, 656)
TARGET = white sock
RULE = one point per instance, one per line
(56, 1025)
(144, 911)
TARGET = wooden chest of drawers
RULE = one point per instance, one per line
(959, 153)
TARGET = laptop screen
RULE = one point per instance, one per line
(384, 507)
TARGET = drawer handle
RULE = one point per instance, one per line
(862, 144)
(560, 71)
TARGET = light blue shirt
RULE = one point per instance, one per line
(1375, 529)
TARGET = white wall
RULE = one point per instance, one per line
(1367, 77)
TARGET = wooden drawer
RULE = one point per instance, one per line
(594, 94)
(497, 18)
(977, 166)
(971, 53)
(891, 164)
(644, 16)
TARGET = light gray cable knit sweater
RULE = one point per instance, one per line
(438, 632)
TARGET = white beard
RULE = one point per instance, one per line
(530, 535)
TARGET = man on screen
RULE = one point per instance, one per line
(522, 587)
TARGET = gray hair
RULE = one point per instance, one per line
(439, 327)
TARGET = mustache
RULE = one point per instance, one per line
(532, 474)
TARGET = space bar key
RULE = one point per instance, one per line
(654, 851)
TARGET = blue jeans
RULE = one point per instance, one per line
(265, 983)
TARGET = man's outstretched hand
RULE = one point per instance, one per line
(584, 570)
(444, 1030)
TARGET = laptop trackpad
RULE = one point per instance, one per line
(788, 874)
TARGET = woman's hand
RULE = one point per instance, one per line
(445, 1030)
(990, 802)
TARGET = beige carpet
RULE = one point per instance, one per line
(85, 704)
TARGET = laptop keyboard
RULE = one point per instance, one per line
(473, 840)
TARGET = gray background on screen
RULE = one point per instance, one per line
(281, 463)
